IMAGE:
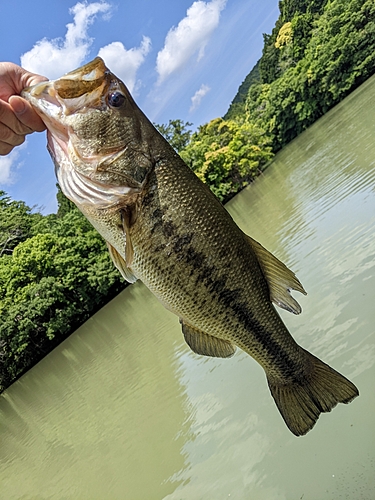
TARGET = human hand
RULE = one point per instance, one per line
(17, 117)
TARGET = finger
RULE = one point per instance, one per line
(8, 136)
(5, 148)
(21, 78)
(9, 120)
(9, 140)
(29, 79)
(26, 115)
(10, 125)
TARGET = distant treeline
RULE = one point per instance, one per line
(55, 271)
(318, 52)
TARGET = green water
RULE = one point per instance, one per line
(124, 410)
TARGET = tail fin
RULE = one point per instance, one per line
(301, 403)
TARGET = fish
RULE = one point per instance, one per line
(164, 227)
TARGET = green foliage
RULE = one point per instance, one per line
(237, 106)
(227, 155)
(346, 31)
(338, 56)
(176, 132)
(16, 220)
(64, 205)
(269, 62)
(318, 52)
(301, 14)
(50, 284)
(302, 25)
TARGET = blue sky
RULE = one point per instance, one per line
(180, 59)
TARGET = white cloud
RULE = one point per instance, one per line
(7, 166)
(198, 96)
(52, 58)
(189, 37)
(125, 63)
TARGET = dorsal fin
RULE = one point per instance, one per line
(280, 279)
(121, 264)
(202, 343)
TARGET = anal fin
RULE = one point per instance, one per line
(280, 279)
(120, 263)
(207, 345)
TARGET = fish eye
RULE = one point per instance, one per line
(116, 99)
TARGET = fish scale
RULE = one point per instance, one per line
(164, 226)
(196, 253)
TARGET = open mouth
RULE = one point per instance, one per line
(45, 100)
(43, 97)
(56, 100)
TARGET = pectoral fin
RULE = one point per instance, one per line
(121, 264)
(207, 345)
(281, 280)
(126, 219)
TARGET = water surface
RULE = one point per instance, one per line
(124, 410)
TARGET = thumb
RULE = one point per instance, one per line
(18, 105)
(25, 114)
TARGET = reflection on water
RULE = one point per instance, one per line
(124, 410)
(105, 395)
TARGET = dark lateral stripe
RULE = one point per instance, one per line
(262, 336)
(182, 245)
(230, 299)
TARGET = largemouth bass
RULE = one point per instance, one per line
(164, 227)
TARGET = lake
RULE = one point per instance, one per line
(124, 410)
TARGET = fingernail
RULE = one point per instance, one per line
(19, 106)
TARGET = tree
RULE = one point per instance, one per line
(339, 56)
(51, 283)
(176, 132)
(16, 221)
(63, 203)
(237, 106)
(227, 155)
(289, 10)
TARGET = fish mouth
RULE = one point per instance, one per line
(44, 99)
(56, 100)
(86, 80)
